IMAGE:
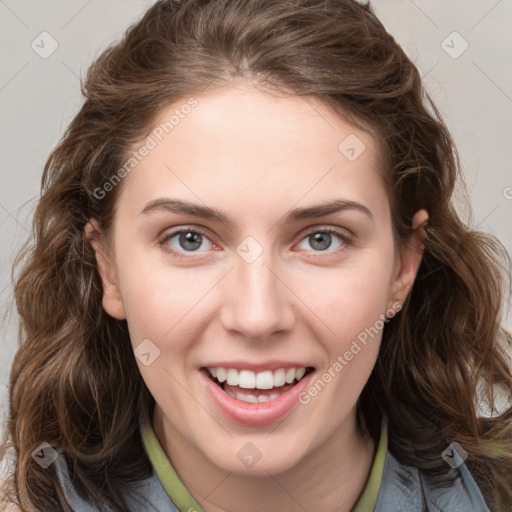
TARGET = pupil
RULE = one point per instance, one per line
(187, 240)
(323, 238)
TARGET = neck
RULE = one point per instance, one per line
(330, 478)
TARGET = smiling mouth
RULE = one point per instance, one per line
(256, 387)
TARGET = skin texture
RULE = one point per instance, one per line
(255, 156)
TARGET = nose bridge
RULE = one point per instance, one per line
(258, 303)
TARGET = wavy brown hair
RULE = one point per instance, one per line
(74, 382)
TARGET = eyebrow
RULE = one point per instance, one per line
(310, 212)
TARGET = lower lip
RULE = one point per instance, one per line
(263, 413)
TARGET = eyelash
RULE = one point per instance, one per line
(345, 239)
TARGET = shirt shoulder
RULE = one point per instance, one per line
(407, 489)
(147, 495)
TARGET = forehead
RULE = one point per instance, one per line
(249, 148)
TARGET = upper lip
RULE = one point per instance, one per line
(256, 367)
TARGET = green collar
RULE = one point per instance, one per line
(171, 482)
(184, 501)
(368, 498)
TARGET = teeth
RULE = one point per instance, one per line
(264, 380)
(246, 379)
(221, 373)
(251, 398)
(279, 378)
(268, 379)
(300, 373)
(232, 379)
(247, 398)
(290, 375)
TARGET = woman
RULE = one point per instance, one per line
(248, 288)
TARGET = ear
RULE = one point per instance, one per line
(411, 253)
(112, 300)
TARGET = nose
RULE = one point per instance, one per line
(258, 301)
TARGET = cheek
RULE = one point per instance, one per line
(352, 298)
(354, 312)
(158, 300)
(169, 305)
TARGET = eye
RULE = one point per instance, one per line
(188, 240)
(184, 240)
(322, 239)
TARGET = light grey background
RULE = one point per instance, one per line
(39, 96)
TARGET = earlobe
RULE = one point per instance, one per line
(112, 299)
(411, 254)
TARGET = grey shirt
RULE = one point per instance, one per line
(404, 489)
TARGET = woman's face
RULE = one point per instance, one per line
(265, 285)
